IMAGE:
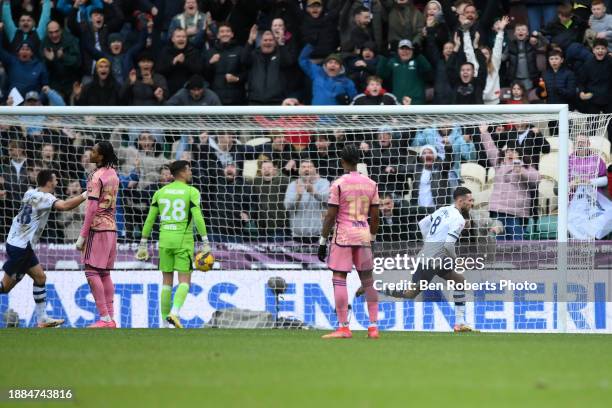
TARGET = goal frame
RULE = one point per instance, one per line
(560, 110)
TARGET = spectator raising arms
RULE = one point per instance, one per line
(514, 180)
(330, 86)
(26, 30)
(493, 58)
(407, 74)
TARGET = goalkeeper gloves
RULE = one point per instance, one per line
(322, 252)
(142, 253)
(80, 243)
(204, 246)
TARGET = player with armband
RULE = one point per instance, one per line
(352, 198)
(441, 231)
(178, 207)
(26, 229)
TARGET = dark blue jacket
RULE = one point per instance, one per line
(560, 86)
(325, 89)
(25, 76)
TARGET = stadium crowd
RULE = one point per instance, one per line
(292, 52)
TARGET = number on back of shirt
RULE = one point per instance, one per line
(25, 216)
(172, 210)
(435, 224)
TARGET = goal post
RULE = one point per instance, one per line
(263, 203)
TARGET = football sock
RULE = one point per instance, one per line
(97, 289)
(459, 297)
(40, 300)
(166, 301)
(179, 298)
(372, 298)
(109, 293)
(341, 298)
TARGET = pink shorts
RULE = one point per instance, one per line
(342, 259)
(100, 250)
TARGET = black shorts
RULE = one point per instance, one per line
(19, 261)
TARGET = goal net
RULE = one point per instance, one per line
(265, 174)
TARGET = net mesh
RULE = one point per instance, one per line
(265, 180)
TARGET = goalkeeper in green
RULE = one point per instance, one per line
(178, 207)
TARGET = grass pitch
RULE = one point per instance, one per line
(273, 368)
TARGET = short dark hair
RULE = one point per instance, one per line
(164, 167)
(555, 53)
(43, 177)
(565, 10)
(177, 166)
(460, 192)
(360, 9)
(350, 154)
(468, 63)
(225, 24)
(600, 42)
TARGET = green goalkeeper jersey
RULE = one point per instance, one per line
(178, 207)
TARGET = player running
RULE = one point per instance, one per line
(178, 207)
(26, 229)
(98, 239)
(353, 197)
(441, 231)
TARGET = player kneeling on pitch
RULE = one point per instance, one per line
(353, 197)
(441, 231)
(26, 229)
(178, 207)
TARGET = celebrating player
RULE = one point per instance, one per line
(178, 206)
(98, 238)
(441, 230)
(26, 229)
(352, 198)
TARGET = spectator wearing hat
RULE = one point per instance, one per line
(406, 73)
(34, 98)
(194, 94)
(62, 57)
(430, 189)
(145, 86)
(25, 30)
(93, 34)
(435, 28)
(103, 90)
(224, 68)
(330, 85)
(25, 72)
(267, 81)
(405, 22)
(375, 94)
(122, 59)
(362, 66)
(179, 61)
(320, 28)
